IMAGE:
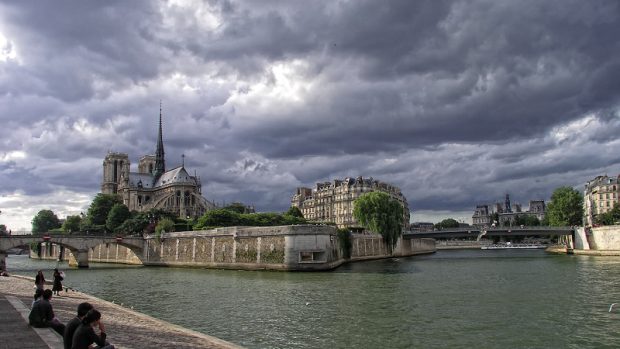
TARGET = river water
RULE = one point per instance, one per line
(450, 299)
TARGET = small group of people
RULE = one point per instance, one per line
(79, 333)
(39, 281)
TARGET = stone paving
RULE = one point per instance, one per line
(125, 327)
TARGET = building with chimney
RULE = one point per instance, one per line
(154, 186)
(599, 196)
(332, 202)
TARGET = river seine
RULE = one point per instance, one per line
(451, 299)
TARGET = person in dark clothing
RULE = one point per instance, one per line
(39, 280)
(57, 287)
(38, 294)
(85, 334)
(42, 314)
(72, 325)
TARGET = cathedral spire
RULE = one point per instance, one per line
(160, 163)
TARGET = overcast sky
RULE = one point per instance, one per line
(455, 102)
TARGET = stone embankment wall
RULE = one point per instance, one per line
(299, 247)
(604, 239)
(599, 240)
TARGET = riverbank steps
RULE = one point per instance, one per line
(125, 328)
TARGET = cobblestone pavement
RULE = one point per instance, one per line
(125, 327)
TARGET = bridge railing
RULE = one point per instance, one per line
(464, 229)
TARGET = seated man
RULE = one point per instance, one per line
(72, 325)
(85, 334)
(42, 314)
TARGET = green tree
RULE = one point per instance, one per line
(527, 220)
(219, 218)
(236, 207)
(71, 224)
(379, 213)
(3, 230)
(565, 208)
(448, 223)
(135, 225)
(45, 221)
(100, 208)
(117, 216)
(294, 211)
(165, 225)
(610, 217)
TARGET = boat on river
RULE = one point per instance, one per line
(509, 245)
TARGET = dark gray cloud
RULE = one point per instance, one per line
(456, 102)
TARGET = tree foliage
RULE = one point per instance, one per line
(228, 218)
(71, 224)
(447, 223)
(610, 217)
(100, 208)
(44, 221)
(294, 211)
(527, 220)
(166, 225)
(565, 208)
(236, 207)
(117, 216)
(379, 213)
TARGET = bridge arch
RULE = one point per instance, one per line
(79, 246)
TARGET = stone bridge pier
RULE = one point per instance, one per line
(81, 257)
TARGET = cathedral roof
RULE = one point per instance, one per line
(144, 180)
(176, 175)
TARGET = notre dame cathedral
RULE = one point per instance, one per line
(154, 187)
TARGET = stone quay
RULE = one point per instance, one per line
(125, 327)
(288, 248)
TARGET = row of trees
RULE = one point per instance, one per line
(108, 214)
(231, 216)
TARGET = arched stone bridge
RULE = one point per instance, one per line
(78, 245)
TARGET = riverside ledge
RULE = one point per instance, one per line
(126, 328)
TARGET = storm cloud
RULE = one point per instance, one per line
(455, 102)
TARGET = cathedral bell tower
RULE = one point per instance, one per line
(115, 169)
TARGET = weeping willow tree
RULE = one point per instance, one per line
(379, 213)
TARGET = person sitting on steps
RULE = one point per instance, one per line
(72, 325)
(42, 314)
(85, 334)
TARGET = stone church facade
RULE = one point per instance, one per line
(154, 186)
